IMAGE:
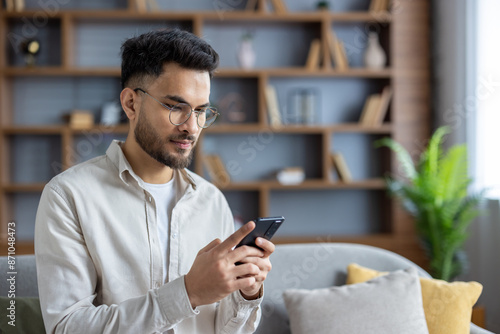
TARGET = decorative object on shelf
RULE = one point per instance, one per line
(111, 113)
(376, 107)
(30, 48)
(231, 107)
(246, 52)
(374, 57)
(435, 193)
(323, 5)
(273, 108)
(216, 170)
(340, 165)
(291, 176)
(337, 51)
(79, 119)
(302, 106)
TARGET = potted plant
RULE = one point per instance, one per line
(435, 193)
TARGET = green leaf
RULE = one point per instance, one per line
(402, 154)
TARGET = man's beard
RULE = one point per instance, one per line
(151, 142)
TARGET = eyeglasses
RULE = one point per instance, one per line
(180, 112)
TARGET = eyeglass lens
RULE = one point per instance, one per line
(181, 112)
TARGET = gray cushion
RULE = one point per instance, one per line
(25, 268)
(389, 304)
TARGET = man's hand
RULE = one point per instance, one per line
(214, 274)
(264, 264)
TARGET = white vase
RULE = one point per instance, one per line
(246, 54)
(375, 57)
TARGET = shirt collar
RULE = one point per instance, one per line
(116, 156)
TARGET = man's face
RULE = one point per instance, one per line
(171, 145)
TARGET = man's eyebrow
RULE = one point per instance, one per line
(179, 99)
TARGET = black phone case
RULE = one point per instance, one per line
(265, 227)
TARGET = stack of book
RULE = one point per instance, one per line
(14, 5)
(376, 107)
(216, 170)
(335, 51)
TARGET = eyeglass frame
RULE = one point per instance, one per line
(216, 112)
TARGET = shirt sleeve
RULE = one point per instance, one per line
(235, 314)
(68, 280)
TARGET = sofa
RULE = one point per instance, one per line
(298, 266)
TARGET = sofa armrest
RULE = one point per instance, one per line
(478, 330)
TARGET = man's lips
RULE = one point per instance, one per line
(183, 144)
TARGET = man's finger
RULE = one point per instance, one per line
(211, 245)
(265, 245)
(237, 236)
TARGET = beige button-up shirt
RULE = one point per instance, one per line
(99, 260)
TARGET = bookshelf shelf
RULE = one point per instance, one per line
(361, 16)
(23, 188)
(374, 184)
(61, 129)
(385, 128)
(222, 73)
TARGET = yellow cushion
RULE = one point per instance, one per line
(447, 306)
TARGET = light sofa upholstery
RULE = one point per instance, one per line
(305, 266)
(320, 265)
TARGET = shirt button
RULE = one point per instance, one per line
(174, 236)
(149, 199)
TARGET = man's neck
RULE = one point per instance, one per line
(147, 168)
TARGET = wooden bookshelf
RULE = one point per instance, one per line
(406, 30)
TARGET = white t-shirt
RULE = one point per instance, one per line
(165, 198)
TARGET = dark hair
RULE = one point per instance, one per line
(143, 56)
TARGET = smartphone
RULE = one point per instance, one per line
(265, 228)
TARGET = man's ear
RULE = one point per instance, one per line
(129, 100)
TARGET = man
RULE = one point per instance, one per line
(130, 242)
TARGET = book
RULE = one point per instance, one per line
(19, 5)
(273, 109)
(379, 5)
(330, 42)
(343, 55)
(341, 167)
(313, 58)
(337, 51)
(279, 6)
(9, 5)
(382, 107)
(375, 5)
(141, 6)
(216, 170)
(369, 109)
